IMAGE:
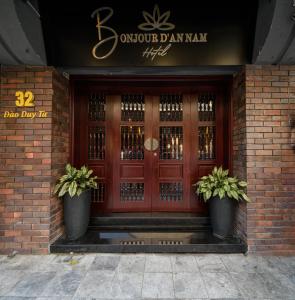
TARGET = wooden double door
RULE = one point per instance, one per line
(148, 148)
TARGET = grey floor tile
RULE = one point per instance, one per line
(157, 285)
(32, 285)
(220, 285)
(96, 284)
(189, 285)
(105, 262)
(17, 262)
(8, 279)
(64, 284)
(158, 263)
(70, 262)
(232, 299)
(17, 298)
(55, 298)
(127, 286)
(285, 264)
(131, 264)
(251, 285)
(184, 263)
(210, 263)
(279, 285)
(249, 264)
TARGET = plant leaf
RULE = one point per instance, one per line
(246, 198)
(64, 189)
(73, 188)
(242, 183)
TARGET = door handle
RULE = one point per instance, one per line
(151, 144)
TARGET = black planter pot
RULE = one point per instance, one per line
(222, 213)
(76, 214)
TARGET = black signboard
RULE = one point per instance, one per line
(147, 33)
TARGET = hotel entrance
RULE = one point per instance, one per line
(149, 143)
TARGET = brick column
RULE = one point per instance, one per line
(270, 101)
(33, 153)
(239, 146)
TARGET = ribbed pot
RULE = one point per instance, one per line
(222, 214)
(76, 214)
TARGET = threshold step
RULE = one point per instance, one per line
(136, 219)
(148, 242)
(147, 228)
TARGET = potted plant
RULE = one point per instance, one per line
(75, 189)
(222, 192)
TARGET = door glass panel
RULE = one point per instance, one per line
(171, 108)
(132, 142)
(132, 108)
(97, 195)
(206, 107)
(206, 142)
(132, 191)
(171, 191)
(207, 127)
(96, 107)
(171, 143)
(96, 142)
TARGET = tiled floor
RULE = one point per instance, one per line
(147, 276)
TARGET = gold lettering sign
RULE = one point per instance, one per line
(159, 44)
(25, 99)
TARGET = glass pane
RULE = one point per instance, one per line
(207, 142)
(132, 142)
(96, 142)
(132, 108)
(206, 107)
(96, 107)
(97, 195)
(171, 191)
(171, 108)
(171, 143)
(132, 191)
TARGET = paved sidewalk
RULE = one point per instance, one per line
(147, 276)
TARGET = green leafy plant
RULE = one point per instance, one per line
(75, 181)
(218, 183)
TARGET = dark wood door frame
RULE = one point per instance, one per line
(150, 85)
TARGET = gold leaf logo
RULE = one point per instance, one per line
(156, 21)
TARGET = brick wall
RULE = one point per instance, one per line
(32, 152)
(239, 146)
(270, 101)
(60, 148)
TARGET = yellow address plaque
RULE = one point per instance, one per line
(25, 99)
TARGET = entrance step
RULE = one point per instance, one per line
(109, 241)
(151, 222)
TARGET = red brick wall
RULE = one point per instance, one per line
(239, 146)
(31, 155)
(270, 101)
(60, 148)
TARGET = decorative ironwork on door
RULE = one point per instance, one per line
(207, 126)
(96, 143)
(96, 107)
(132, 142)
(171, 143)
(132, 108)
(171, 107)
